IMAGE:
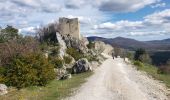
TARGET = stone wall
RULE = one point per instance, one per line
(69, 26)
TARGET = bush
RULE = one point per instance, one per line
(2, 78)
(91, 45)
(74, 53)
(28, 70)
(163, 70)
(57, 62)
(138, 53)
(130, 55)
(10, 49)
(142, 56)
(145, 58)
(138, 64)
(48, 33)
(92, 58)
(54, 51)
(67, 59)
(8, 33)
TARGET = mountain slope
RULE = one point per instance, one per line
(133, 44)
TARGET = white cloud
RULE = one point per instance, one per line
(111, 5)
(124, 5)
(120, 25)
(158, 18)
(28, 30)
(157, 23)
(82, 19)
(140, 33)
(158, 5)
(94, 15)
(75, 4)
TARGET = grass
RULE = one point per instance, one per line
(152, 70)
(55, 90)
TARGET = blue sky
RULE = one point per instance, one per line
(139, 19)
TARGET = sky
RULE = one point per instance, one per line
(138, 19)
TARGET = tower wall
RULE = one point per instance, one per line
(70, 26)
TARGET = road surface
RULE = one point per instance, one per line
(116, 80)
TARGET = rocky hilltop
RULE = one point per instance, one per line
(84, 54)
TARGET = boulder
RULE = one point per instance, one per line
(3, 89)
(82, 65)
(60, 72)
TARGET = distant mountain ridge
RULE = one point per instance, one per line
(132, 44)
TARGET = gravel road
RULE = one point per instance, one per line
(117, 80)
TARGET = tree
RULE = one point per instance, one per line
(145, 58)
(129, 55)
(48, 33)
(9, 33)
(142, 56)
(138, 53)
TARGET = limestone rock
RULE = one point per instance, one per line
(60, 72)
(101, 47)
(3, 89)
(62, 44)
(82, 65)
(75, 43)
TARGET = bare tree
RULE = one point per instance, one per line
(48, 33)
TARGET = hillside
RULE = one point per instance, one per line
(132, 44)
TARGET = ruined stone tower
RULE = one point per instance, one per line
(70, 26)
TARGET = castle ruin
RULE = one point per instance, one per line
(70, 26)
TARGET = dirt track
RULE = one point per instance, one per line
(116, 80)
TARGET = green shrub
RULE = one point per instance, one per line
(138, 64)
(28, 70)
(2, 78)
(74, 53)
(163, 70)
(2, 70)
(138, 53)
(92, 58)
(57, 62)
(67, 59)
(8, 33)
(91, 45)
(54, 51)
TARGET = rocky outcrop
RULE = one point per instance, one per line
(62, 45)
(108, 49)
(3, 89)
(62, 74)
(101, 47)
(82, 65)
(75, 43)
